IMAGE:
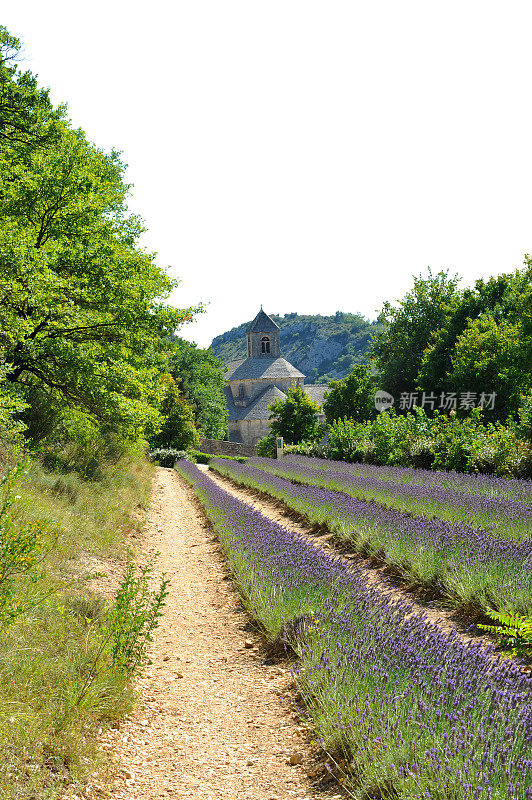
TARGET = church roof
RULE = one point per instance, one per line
(230, 368)
(262, 323)
(258, 409)
(263, 368)
(316, 391)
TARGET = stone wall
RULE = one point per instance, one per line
(220, 448)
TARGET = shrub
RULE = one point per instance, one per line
(525, 417)
(266, 447)
(311, 449)
(206, 458)
(133, 616)
(167, 456)
(445, 442)
(199, 458)
(76, 443)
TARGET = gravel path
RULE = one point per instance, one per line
(215, 718)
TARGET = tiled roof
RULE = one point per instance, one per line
(232, 366)
(258, 409)
(262, 323)
(316, 391)
(262, 368)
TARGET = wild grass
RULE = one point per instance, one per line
(57, 684)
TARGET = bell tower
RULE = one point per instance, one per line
(263, 337)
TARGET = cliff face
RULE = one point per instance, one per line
(323, 348)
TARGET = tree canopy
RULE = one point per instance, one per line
(199, 374)
(352, 397)
(397, 349)
(82, 311)
(295, 418)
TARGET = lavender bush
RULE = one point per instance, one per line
(504, 515)
(467, 565)
(490, 485)
(411, 712)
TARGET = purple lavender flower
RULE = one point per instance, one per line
(412, 709)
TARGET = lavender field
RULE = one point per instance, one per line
(505, 511)
(407, 711)
(466, 565)
(488, 485)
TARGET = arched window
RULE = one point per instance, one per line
(265, 342)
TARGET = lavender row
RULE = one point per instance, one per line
(414, 712)
(506, 516)
(489, 485)
(467, 565)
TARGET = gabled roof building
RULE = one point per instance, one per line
(253, 383)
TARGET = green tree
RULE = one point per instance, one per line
(27, 117)
(352, 397)
(295, 418)
(500, 297)
(81, 303)
(488, 357)
(178, 430)
(397, 349)
(199, 374)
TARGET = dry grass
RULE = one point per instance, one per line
(47, 720)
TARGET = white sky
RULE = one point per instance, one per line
(310, 156)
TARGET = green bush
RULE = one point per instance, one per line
(167, 456)
(311, 449)
(266, 447)
(525, 417)
(24, 545)
(206, 458)
(445, 442)
(56, 690)
(200, 458)
(133, 617)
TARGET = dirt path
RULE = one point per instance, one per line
(214, 719)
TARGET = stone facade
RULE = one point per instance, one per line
(253, 383)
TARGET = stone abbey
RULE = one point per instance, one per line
(253, 383)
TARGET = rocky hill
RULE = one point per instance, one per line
(323, 348)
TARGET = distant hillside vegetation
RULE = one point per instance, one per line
(323, 348)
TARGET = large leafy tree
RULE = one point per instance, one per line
(199, 374)
(81, 303)
(494, 354)
(408, 326)
(499, 297)
(485, 342)
(295, 418)
(352, 397)
(178, 429)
